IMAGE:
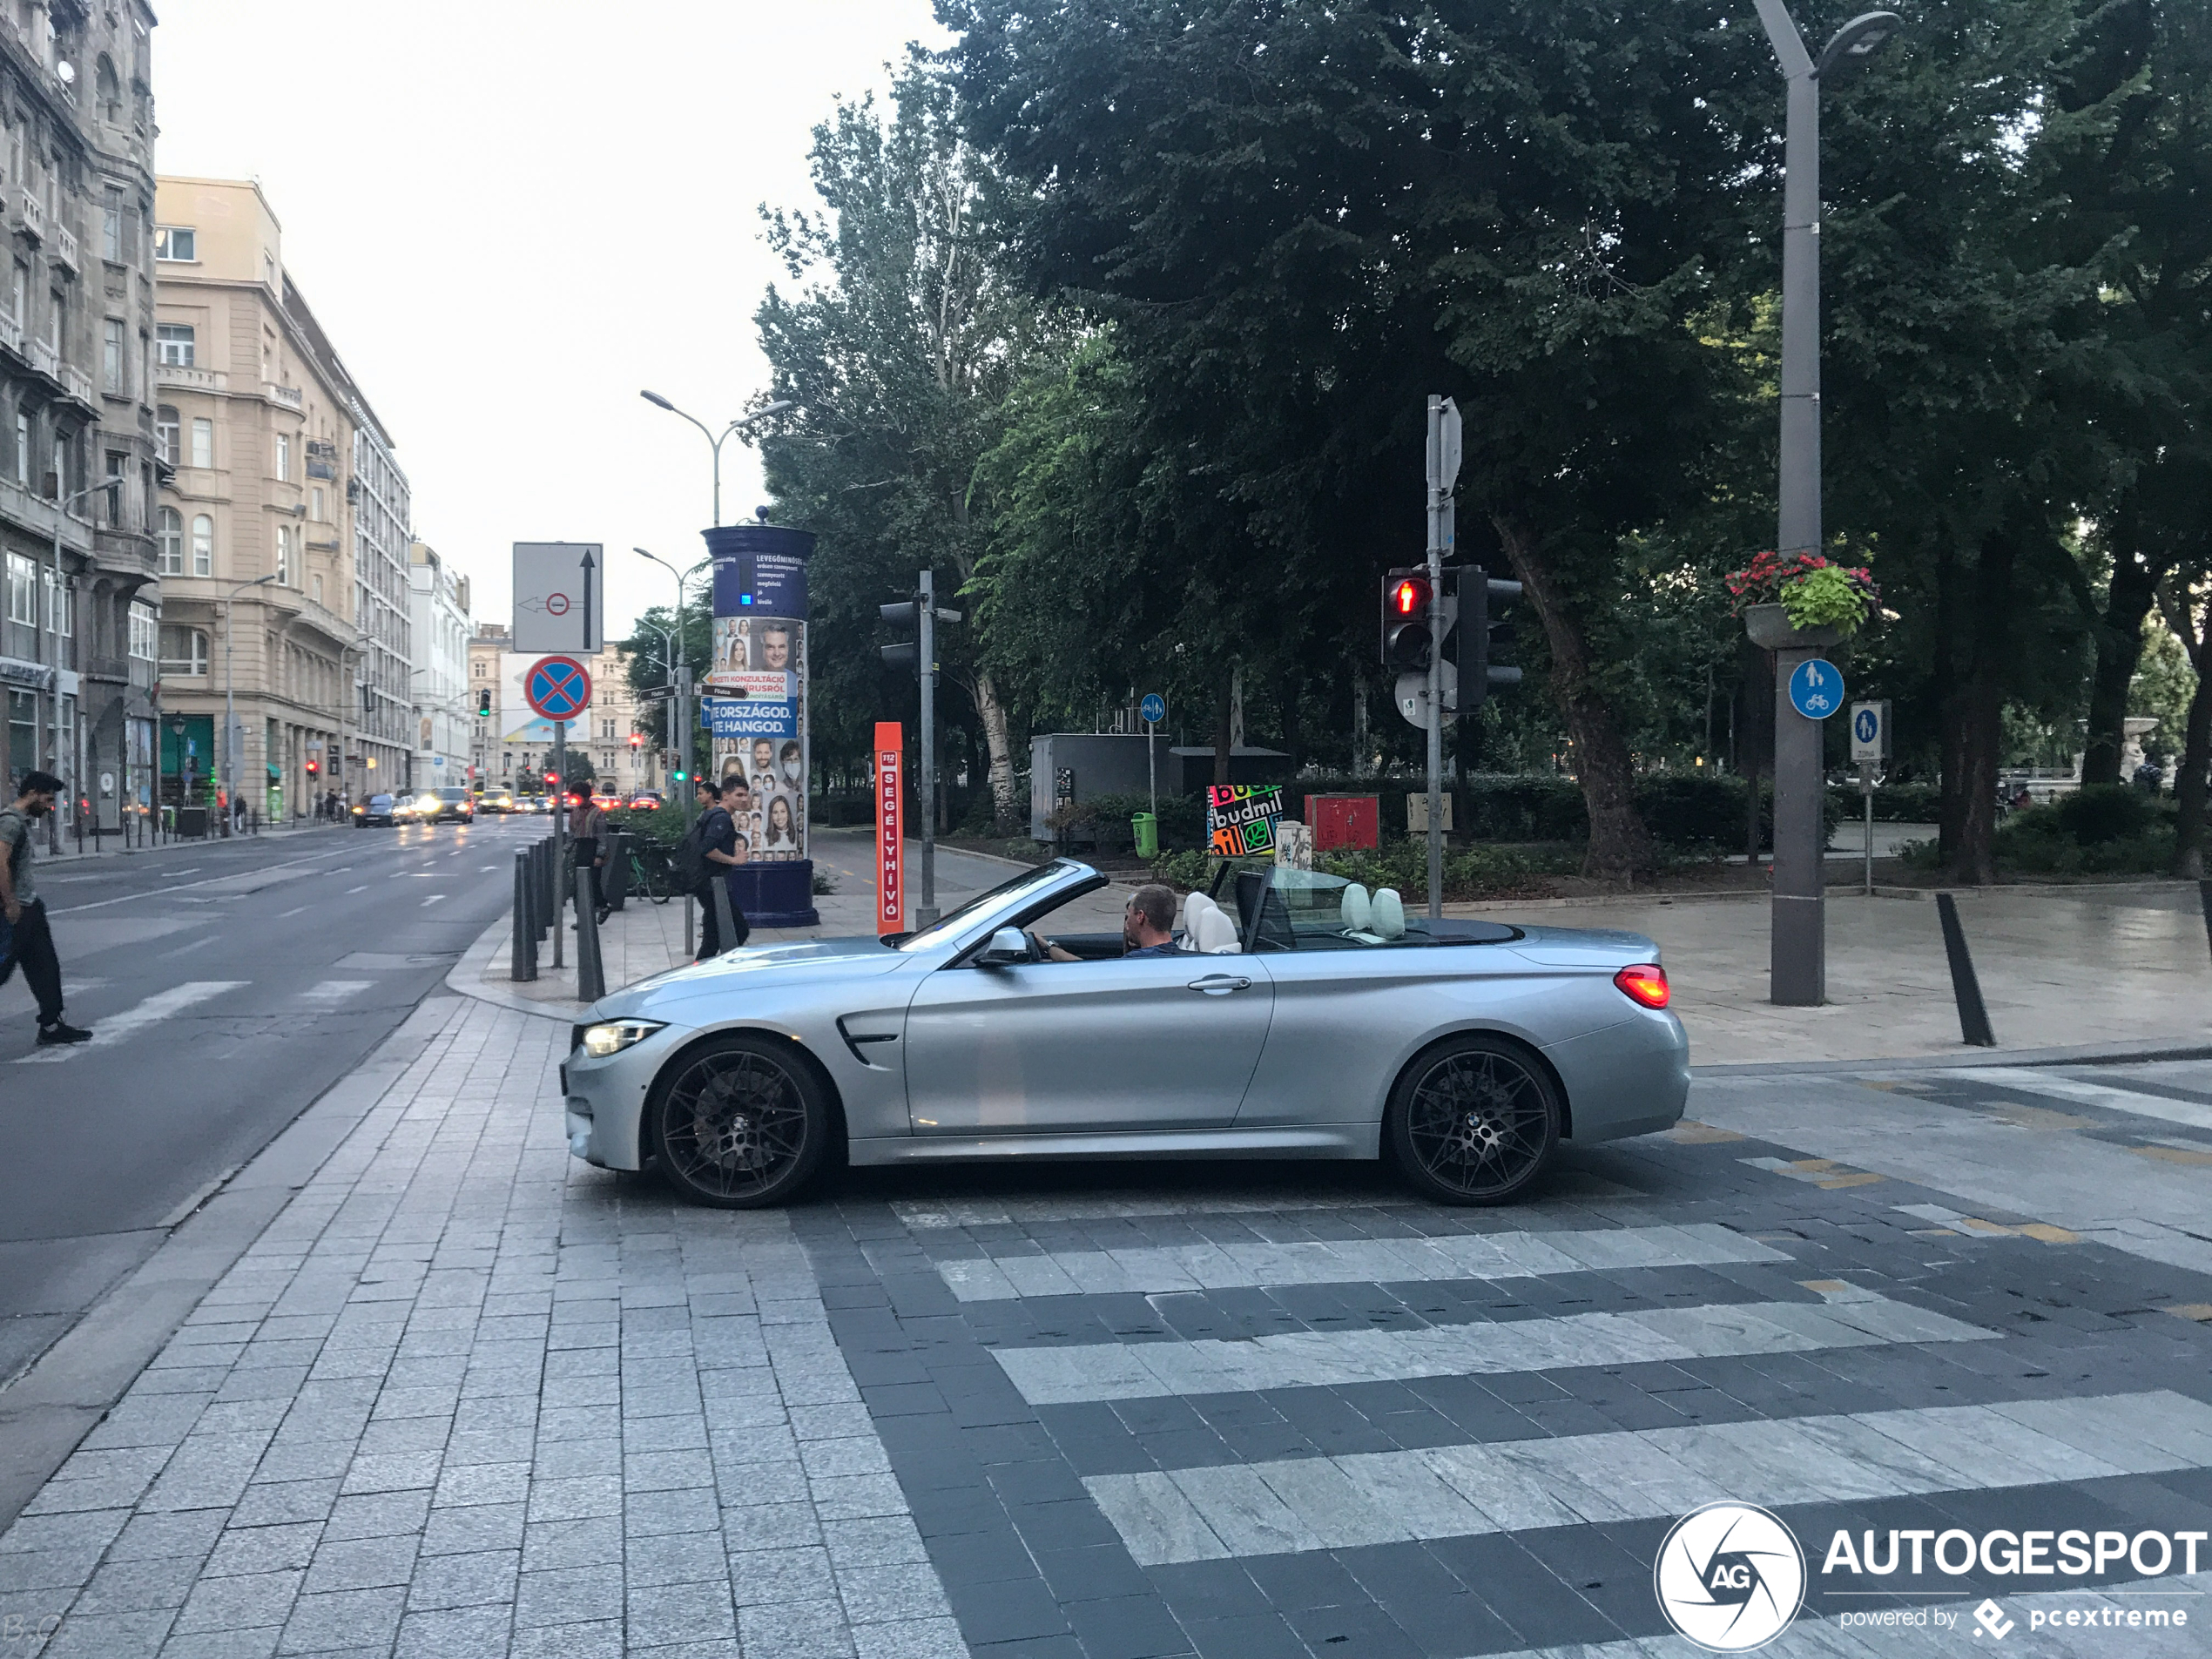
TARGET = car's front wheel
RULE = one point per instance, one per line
(739, 1123)
(1475, 1120)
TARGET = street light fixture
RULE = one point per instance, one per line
(1798, 971)
(713, 442)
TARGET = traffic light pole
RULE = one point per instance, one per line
(682, 715)
(1443, 471)
(926, 907)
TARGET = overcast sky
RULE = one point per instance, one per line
(510, 215)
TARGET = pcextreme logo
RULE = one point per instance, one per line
(1729, 1577)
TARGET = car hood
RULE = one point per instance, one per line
(761, 966)
(1580, 946)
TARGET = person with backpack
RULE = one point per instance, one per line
(706, 855)
(29, 941)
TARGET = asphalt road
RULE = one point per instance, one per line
(228, 985)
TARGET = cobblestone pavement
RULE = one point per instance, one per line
(466, 1396)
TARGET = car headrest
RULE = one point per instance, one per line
(1357, 909)
(1387, 915)
(1216, 933)
(1195, 905)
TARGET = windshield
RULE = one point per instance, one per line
(1005, 896)
(453, 794)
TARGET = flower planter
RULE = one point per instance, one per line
(1769, 628)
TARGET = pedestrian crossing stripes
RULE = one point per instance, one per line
(1065, 1375)
(1158, 1270)
(1224, 1512)
(115, 1027)
(335, 990)
(2035, 1081)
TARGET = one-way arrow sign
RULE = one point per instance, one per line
(560, 602)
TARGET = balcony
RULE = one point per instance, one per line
(30, 215)
(46, 360)
(11, 338)
(76, 386)
(65, 248)
(290, 397)
(194, 380)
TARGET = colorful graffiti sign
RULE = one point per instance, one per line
(1241, 819)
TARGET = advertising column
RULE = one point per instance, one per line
(755, 706)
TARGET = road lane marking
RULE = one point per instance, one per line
(435, 898)
(1083, 1373)
(1225, 1512)
(1350, 1261)
(350, 892)
(140, 897)
(335, 990)
(161, 1006)
(296, 910)
(2033, 1080)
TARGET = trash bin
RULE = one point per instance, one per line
(1147, 828)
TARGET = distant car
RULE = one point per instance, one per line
(1300, 1017)
(378, 810)
(644, 802)
(606, 803)
(444, 807)
(495, 804)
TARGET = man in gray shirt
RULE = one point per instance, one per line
(32, 943)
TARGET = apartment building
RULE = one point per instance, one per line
(511, 748)
(444, 712)
(77, 482)
(284, 531)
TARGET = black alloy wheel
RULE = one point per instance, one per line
(740, 1123)
(1474, 1120)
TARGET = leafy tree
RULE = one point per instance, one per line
(898, 347)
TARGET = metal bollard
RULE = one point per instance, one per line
(1973, 1018)
(522, 955)
(726, 920)
(614, 887)
(590, 975)
(2204, 895)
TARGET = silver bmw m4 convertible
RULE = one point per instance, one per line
(1301, 1018)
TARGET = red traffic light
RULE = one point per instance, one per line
(552, 777)
(1409, 596)
(635, 738)
(314, 766)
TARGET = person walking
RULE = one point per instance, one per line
(716, 838)
(31, 941)
(588, 834)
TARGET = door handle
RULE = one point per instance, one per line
(1220, 984)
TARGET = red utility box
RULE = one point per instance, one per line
(1345, 821)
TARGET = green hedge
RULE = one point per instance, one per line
(1893, 803)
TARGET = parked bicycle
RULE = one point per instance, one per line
(652, 870)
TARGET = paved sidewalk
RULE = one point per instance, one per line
(464, 1393)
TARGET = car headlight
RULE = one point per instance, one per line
(600, 1041)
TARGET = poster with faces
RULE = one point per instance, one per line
(758, 677)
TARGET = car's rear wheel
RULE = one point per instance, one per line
(1475, 1120)
(740, 1122)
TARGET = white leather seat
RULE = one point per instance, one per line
(1387, 917)
(1195, 905)
(1357, 909)
(1216, 934)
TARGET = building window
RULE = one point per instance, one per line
(109, 91)
(315, 504)
(203, 545)
(203, 443)
(114, 336)
(112, 228)
(145, 632)
(19, 294)
(178, 243)
(173, 344)
(118, 461)
(171, 537)
(284, 556)
(184, 651)
(61, 604)
(167, 425)
(57, 303)
(284, 457)
(318, 582)
(22, 590)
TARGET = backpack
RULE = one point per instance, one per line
(691, 866)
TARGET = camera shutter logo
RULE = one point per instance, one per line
(1729, 1577)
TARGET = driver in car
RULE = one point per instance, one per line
(1147, 927)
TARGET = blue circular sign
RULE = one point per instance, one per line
(1154, 708)
(1817, 689)
(558, 688)
(1866, 726)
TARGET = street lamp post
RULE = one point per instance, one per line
(1798, 943)
(229, 704)
(713, 442)
(679, 713)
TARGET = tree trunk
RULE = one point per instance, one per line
(1950, 689)
(1982, 726)
(2118, 635)
(1223, 740)
(1619, 846)
(2197, 741)
(992, 712)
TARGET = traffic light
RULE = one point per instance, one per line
(1489, 633)
(636, 739)
(483, 703)
(904, 618)
(314, 766)
(552, 778)
(1407, 624)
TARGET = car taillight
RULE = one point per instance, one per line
(1645, 982)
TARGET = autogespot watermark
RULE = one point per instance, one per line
(1731, 1577)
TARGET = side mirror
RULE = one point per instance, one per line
(1009, 946)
